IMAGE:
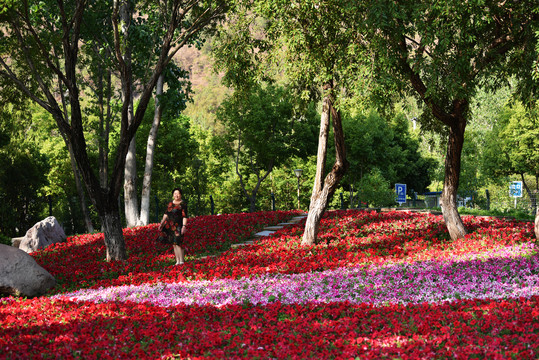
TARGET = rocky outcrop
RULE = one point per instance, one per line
(21, 275)
(42, 234)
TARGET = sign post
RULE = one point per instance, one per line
(515, 190)
(400, 189)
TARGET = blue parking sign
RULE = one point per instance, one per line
(400, 189)
(515, 189)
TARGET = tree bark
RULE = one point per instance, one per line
(114, 239)
(130, 171)
(82, 197)
(531, 195)
(130, 186)
(455, 143)
(105, 116)
(323, 189)
(144, 218)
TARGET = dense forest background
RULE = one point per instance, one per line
(198, 150)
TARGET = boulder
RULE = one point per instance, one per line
(16, 242)
(42, 234)
(21, 275)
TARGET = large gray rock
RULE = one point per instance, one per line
(21, 275)
(42, 234)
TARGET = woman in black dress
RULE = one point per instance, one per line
(173, 225)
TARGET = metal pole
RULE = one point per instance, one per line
(212, 204)
(298, 195)
(273, 201)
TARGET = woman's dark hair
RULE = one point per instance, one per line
(180, 190)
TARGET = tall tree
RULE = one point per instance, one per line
(319, 53)
(263, 132)
(512, 146)
(50, 78)
(444, 51)
(171, 103)
(308, 42)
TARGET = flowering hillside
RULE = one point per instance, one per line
(379, 285)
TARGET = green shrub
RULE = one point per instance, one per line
(6, 240)
(517, 214)
(375, 190)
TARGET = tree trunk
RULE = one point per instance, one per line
(454, 223)
(144, 218)
(130, 186)
(83, 203)
(324, 189)
(105, 115)
(531, 195)
(112, 230)
(130, 172)
(80, 191)
(252, 203)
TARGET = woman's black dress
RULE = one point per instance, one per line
(171, 233)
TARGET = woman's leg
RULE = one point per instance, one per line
(179, 254)
(182, 254)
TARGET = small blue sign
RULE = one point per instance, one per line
(400, 189)
(515, 189)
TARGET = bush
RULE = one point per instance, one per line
(6, 240)
(517, 214)
(375, 190)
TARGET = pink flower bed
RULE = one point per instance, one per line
(379, 285)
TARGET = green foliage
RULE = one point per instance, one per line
(6, 240)
(375, 190)
(284, 183)
(511, 147)
(263, 132)
(373, 142)
(512, 213)
(22, 177)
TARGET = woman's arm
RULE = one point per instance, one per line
(184, 225)
(165, 217)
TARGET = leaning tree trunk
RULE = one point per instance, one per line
(144, 218)
(323, 189)
(533, 199)
(452, 219)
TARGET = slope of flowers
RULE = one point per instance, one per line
(510, 272)
(379, 285)
(79, 262)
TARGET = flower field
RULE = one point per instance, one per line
(379, 285)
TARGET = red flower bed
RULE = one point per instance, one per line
(80, 262)
(42, 328)
(494, 329)
(349, 238)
